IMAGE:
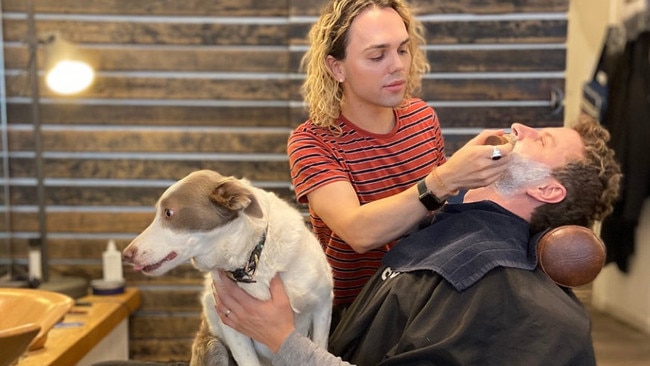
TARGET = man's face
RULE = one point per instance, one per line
(536, 153)
(377, 59)
(552, 147)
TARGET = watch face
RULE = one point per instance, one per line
(431, 202)
(428, 199)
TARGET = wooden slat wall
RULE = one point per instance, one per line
(186, 85)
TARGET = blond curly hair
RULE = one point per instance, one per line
(329, 36)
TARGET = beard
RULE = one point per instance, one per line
(521, 173)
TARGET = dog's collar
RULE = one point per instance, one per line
(246, 274)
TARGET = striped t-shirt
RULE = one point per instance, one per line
(377, 166)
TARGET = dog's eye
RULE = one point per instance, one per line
(168, 212)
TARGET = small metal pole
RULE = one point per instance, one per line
(38, 149)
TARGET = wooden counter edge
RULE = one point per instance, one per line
(127, 303)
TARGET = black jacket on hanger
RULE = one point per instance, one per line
(628, 120)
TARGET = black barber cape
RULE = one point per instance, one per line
(465, 291)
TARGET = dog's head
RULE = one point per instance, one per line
(190, 215)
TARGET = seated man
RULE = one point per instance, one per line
(466, 290)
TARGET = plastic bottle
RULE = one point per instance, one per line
(112, 260)
(35, 264)
(35, 271)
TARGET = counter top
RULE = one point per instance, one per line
(90, 320)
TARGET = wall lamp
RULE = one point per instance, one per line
(66, 71)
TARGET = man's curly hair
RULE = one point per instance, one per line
(329, 36)
(592, 183)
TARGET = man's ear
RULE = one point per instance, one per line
(334, 67)
(548, 191)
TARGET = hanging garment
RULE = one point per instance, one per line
(628, 119)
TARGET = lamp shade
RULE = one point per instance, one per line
(66, 71)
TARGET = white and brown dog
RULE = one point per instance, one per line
(225, 224)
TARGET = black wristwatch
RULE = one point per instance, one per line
(428, 199)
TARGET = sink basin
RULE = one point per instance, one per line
(14, 342)
(20, 307)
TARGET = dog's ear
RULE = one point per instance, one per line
(254, 209)
(235, 196)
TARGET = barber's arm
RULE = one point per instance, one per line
(369, 226)
(270, 323)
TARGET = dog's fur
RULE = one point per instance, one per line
(216, 222)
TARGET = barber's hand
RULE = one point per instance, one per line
(472, 165)
(268, 322)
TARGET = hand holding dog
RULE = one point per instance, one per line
(268, 322)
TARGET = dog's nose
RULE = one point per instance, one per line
(128, 254)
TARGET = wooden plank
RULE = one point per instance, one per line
(157, 350)
(313, 7)
(522, 59)
(499, 31)
(497, 60)
(164, 327)
(193, 59)
(170, 87)
(482, 117)
(200, 140)
(534, 31)
(487, 89)
(269, 60)
(221, 8)
(77, 195)
(161, 115)
(108, 195)
(488, 6)
(173, 32)
(181, 300)
(270, 7)
(271, 170)
(496, 117)
(82, 222)
(149, 168)
(212, 34)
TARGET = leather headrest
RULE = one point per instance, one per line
(571, 255)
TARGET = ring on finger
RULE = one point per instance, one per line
(496, 154)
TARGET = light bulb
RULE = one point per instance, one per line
(70, 77)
